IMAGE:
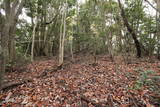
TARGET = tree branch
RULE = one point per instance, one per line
(19, 10)
(152, 6)
(51, 20)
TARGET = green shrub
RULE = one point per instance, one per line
(144, 79)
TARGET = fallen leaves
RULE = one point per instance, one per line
(8, 97)
(106, 84)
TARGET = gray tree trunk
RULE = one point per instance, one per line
(62, 37)
(8, 30)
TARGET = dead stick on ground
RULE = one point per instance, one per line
(14, 84)
(17, 83)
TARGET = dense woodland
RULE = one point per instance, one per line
(80, 53)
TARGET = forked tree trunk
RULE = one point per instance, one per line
(129, 28)
(11, 15)
(15, 11)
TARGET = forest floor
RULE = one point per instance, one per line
(82, 84)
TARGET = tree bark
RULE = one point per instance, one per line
(10, 19)
(15, 11)
(130, 30)
(33, 41)
(158, 26)
(62, 37)
(60, 43)
(4, 39)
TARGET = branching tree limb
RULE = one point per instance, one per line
(152, 6)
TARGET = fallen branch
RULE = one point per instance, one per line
(14, 84)
(44, 73)
(17, 83)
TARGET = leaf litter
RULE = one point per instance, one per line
(108, 84)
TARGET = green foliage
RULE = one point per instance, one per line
(148, 79)
(91, 24)
(143, 79)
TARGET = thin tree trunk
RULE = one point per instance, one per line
(33, 43)
(60, 42)
(158, 26)
(71, 50)
(134, 35)
(1, 51)
(61, 54)
(71, 45)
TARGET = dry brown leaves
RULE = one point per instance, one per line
(108, 84)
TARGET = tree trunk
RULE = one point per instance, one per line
(33, 41)
(71, 49)
(11, 44)
(71, 45)
(10, 20)
(134, 35)
(60, 43)
(62, 37)
(158, 26)
(4, 40)
(109, 46)
(4, 53)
